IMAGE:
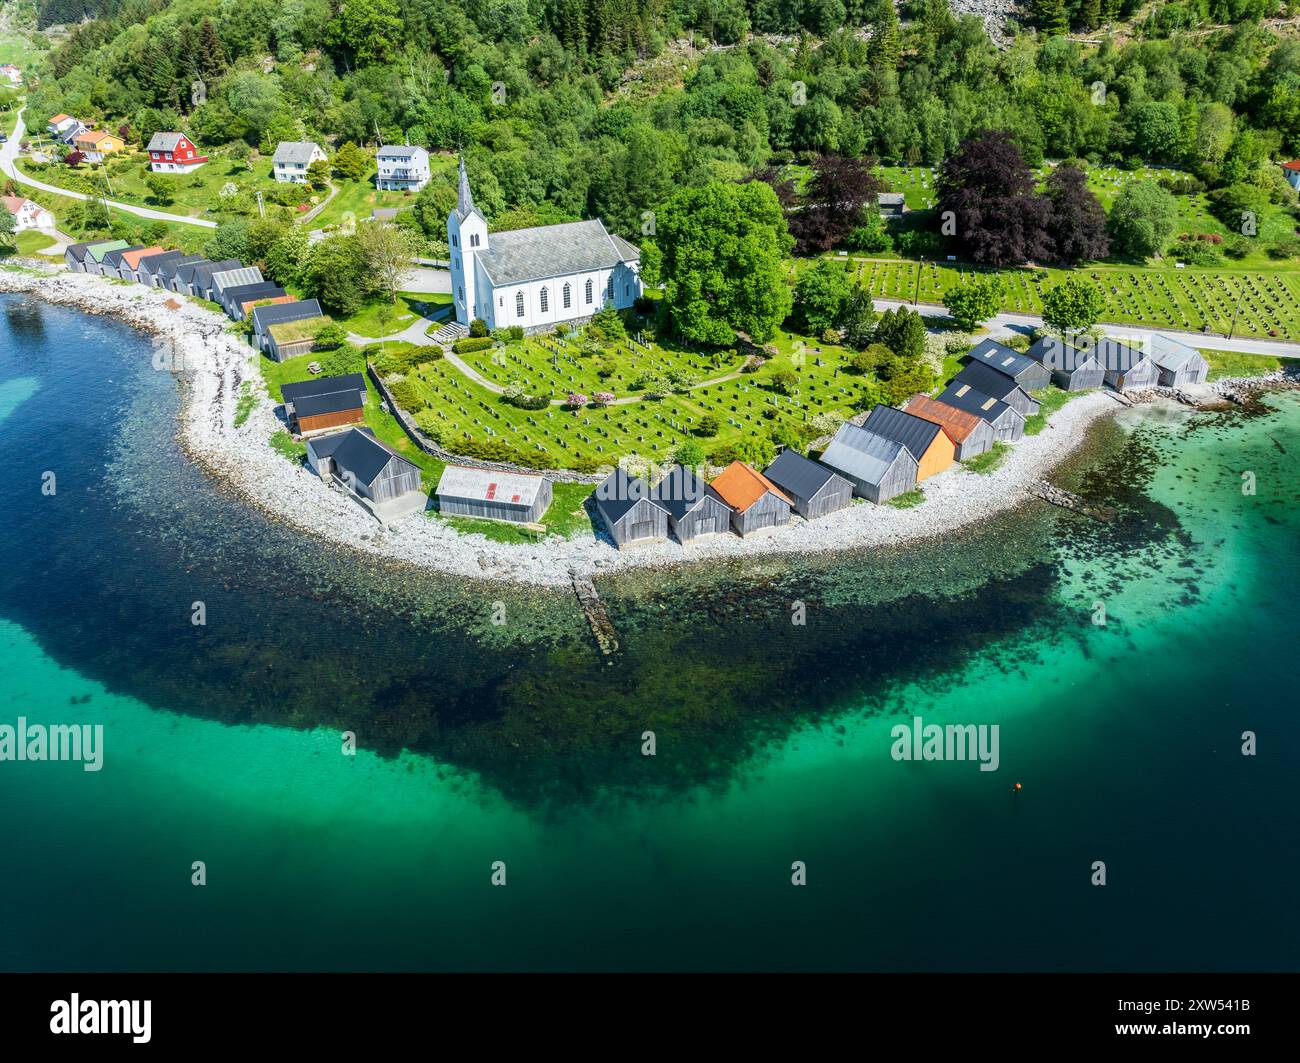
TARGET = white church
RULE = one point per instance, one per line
(536, 277)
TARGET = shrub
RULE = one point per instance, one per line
(429, 421)
(470, 344)
(708, 425)
(330, 337)
(784, 380)
(643, 304)
(607, 323)
(407, 396)
(478, 328)
(404, 359)
(689, 453)
(1285, 248)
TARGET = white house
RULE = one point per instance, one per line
(28, 215)
(11, 74)
(536, 277)
(402, 168)
(292, 158)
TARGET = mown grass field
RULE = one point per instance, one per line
(370, 320)
(1228, 364)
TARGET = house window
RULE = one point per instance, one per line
(519, 304)
(588, 291)
(455, 240)
(544, 300)
(568, 296)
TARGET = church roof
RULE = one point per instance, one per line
(464, 197)
(521, 255)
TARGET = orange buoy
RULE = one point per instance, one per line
(1017, 788)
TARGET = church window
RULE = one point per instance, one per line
(473, 239)
(544, 300)
(568, 296)
(609, 287)
(455, 242)
(588, 291)
(519, 304)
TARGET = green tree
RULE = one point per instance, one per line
(318, 175)
(369, 31)
(351, 162)
(719, 252)
(229, 241)
(903, 332)
(820, 295)
(858, 317)
(1142, 219)
(8, 225)
(160, 188)
(336, 274)
(974, 301)
(689, 453)
(1073, 305)
(330, 337)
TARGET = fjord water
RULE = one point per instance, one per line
(519, 743)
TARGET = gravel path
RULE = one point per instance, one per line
(216, 365)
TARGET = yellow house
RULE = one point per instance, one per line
(96, 144)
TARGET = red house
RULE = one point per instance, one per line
(173, 153)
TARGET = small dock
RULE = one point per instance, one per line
(1058, 496)
(594, 609)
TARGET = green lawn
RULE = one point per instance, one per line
(356, 199)
(1051, 399)
(907, 500)
(410, 306)
(565, 517)
(988, 461)
(1228, 364)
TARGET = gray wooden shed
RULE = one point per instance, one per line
(363, 465)
(1072, 368)
(1008, 425)
(996, 385)
(1178, 364)
(515, 496)
(878, 468)
(628, 511)
(694, 508)
(813, 489)
(1126, 367)
(1026, 372)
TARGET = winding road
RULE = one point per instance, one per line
(9, 153)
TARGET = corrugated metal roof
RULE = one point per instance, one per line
(915, 433)
(959, 424)
(230, 278)
(488, 485)
(98, 251)
(1001, 357)
(1169, 353)
(521, 255)
(863, 455)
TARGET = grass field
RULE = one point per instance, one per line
(1227, 364)
(988, 461)
(410, 306)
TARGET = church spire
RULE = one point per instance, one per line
(464, 199)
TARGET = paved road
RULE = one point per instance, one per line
(427, 281)
(9, 152)
(1004, 324)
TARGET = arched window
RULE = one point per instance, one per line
(473, 239)
(609, 287)
(568, 296)
(544, 301)
(588, 291)
(519, 304)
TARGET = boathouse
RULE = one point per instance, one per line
(971, 435)
(1126, 367)
(327, 402)
(878, 468)
(1008, 425)
(1178, 364)
(1072, 368)
(1026, 372)
(627, 510)
(387, 484)
(990, 382)
(694, 508)
(925, 440)
(492, 495)
(755, 501)
(813, 489)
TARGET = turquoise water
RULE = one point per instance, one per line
(224, 745)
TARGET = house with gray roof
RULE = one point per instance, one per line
(1178, 363)
(292, 158)
(383, 482)
(233, 278)
(984, 378)
(878, 468)
(401, 168)
(630, 515)
(536, 278)
(1008, 424)
(166, 270)
(1072, 368)
(1027, 373)
(694, 508)
(813, 489)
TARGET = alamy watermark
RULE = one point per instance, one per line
(61, 741)
(954, 741)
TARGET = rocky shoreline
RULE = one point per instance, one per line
(215, 366)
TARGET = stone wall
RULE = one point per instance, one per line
(412, 430)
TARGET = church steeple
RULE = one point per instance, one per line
(464, 198)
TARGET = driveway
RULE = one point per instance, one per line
(9, 152)
(427, 281)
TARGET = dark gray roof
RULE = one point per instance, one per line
(154, 263)
(266, 316)
(173, 267)
(630, 252)
(185, 273)
(203, 271)
(464, 197)
(362, 455)
(1115, 356)
(352, 386)
(290, 151)
(78, 251)
(521, 255)
(325, 446)
(1054, 353)
(164, 142)
(242, 293)
(681, 491)
(801, 476)
(988, 380)
(961, 395)
(618, 493)
(1001, 357)
(915, 433)
(334, 402)
(863, 454)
